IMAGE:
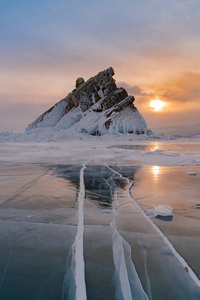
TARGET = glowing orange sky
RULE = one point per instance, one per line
(153, 47)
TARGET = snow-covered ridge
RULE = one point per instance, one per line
(182, 130)
(95, 107)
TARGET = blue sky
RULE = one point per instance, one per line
(152, 45)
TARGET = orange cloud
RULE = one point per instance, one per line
(181, 89)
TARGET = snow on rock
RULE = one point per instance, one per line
(95, 107)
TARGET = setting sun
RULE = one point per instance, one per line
(157, 104)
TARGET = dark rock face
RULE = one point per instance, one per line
(96, 106)
(79, 82)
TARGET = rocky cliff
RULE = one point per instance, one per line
(96, 107)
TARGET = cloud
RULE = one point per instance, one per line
(181, 93)
(134, 90)
(181, 89)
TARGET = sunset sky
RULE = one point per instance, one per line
(153, 46)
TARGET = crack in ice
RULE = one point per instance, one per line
(77, 265)
(8, 262)
(165, 239)
(79, 259)
(128, 285)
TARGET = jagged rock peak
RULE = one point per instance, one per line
(79, 81)
(96, 106)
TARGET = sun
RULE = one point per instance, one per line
(157, 104)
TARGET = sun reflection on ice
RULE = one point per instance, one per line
(156, 170)
(155, 147)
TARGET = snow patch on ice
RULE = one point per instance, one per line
(161, 210)
(192, 173)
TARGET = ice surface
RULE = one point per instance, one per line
(45, 216)
(174, 187)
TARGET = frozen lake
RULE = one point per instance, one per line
(73, 222)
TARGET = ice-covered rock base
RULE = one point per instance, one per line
(95, 107)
